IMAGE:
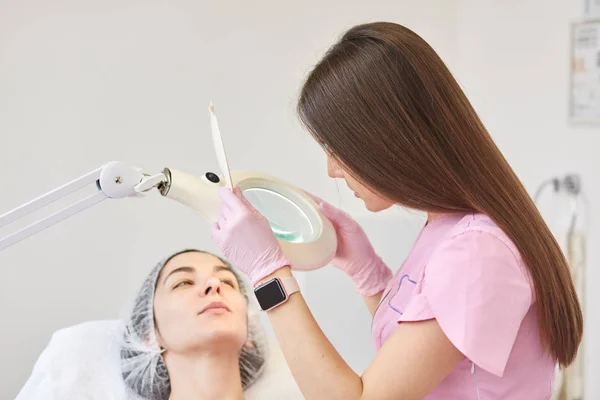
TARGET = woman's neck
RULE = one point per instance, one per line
(204, 376)
(432, 216)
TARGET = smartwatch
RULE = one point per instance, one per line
(275, 292)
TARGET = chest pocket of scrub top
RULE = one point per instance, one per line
(401, 294)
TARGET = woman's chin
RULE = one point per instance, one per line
(377, 206)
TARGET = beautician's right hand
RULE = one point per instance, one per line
(245, 237)
(355, 254)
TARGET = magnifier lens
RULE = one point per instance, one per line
(288, 221)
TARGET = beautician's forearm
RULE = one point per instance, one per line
(372, 302)
(319, 370)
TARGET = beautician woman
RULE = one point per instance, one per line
(484, 306)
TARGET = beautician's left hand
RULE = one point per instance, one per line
(245, 237)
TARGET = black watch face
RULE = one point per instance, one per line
(270, 294)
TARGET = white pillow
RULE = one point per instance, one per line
(80, 362)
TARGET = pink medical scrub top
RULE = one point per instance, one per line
(468, 275)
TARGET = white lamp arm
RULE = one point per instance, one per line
(117, 180)
(114, 180)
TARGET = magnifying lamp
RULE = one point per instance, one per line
(306, 237)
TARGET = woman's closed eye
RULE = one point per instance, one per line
(228, 281)
(182, 284)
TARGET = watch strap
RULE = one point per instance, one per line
(290, 284)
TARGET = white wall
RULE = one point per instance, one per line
(513, 61)
(83, 83)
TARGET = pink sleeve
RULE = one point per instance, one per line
(473, 285)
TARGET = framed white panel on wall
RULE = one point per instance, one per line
(592, 9)
(584, 93)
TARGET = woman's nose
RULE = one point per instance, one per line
(212, 286)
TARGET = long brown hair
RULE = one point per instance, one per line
(386, 106)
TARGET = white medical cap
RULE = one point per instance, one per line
(142, 366)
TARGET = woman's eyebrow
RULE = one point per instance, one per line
(179, 269)
(218, 268)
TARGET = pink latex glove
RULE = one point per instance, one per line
(355, 254)
(245, 237)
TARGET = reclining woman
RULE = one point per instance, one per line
(189, 335)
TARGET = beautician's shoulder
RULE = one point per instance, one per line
(482, 237)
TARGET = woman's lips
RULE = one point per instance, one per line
(216, 307)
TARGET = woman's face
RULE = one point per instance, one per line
(373, 201)
(198, 305)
